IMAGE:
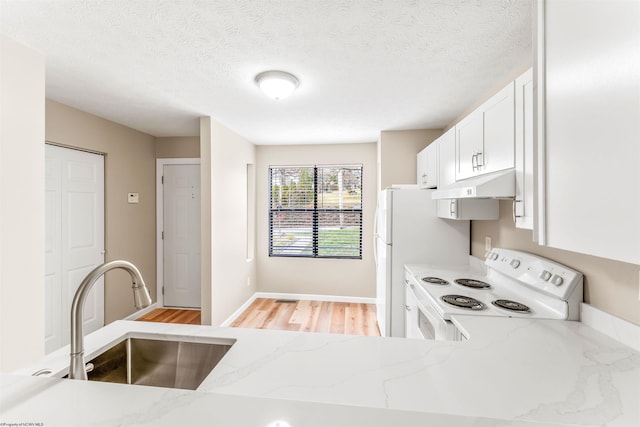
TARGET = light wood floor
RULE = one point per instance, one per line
(310, 316)
(171, 315)
(288, 315)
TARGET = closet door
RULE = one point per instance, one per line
(74, 239)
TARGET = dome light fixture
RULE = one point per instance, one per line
(277, 84)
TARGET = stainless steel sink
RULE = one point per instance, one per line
(174, 364)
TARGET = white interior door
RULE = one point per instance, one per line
(181, 241)
(74, 239)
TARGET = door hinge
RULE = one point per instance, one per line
(162, 237)
(162, 179)
(163, 290)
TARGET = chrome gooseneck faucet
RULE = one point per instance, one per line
(141, 299)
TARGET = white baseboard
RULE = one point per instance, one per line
(304, 297)
(140, 313)
(618, 329)
(238, 312)
(307, 297)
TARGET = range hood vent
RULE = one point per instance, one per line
(497, 185)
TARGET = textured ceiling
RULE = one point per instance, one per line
(363, 65)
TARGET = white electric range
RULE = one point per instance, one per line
(510, 284)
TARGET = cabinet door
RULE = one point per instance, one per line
(498, 128)
(432, 165)
(447, 208)
(447, 158)
(427, 166)
(523, 203)
(591, 134)
(468, 209)
(469, 142)
(411, 312)
(421, 168)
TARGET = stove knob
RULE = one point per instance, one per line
(557, 280)
(545, 275)
(515, 263)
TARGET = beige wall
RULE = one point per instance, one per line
(22, 76)
(611, 286)
(178, 147)
(397, 151)
(225, 156)
(129, 167)
(345, 277)
(490, 92)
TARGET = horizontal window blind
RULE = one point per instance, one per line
(315, 211)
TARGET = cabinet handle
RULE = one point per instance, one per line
(478, 155)
(474, 161)
(513, 210)
(407, 307)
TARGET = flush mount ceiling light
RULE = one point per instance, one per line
(277, 84)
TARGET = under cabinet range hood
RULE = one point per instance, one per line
(496, 185)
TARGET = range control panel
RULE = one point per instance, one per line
(538, 272)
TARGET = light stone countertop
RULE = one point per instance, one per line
(515, 372)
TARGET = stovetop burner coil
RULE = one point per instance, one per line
(473, 283)
(463, 302)
(511, 305)
(435, 281)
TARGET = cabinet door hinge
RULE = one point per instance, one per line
(162, 232)
(162, 179)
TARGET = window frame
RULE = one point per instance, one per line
(315, 212)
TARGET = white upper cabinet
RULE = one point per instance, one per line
(485, 138)
(458, 208)
(499, 142)
(469, 142)
(587, 83)
(523, 203)
(427, 166)
(447, 158)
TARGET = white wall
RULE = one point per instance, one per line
(22, 78)
(229, 279)
(343, 277)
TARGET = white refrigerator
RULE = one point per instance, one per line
(409, 232)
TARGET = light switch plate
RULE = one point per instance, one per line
(133, 198)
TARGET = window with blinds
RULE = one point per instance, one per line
(315, 211)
